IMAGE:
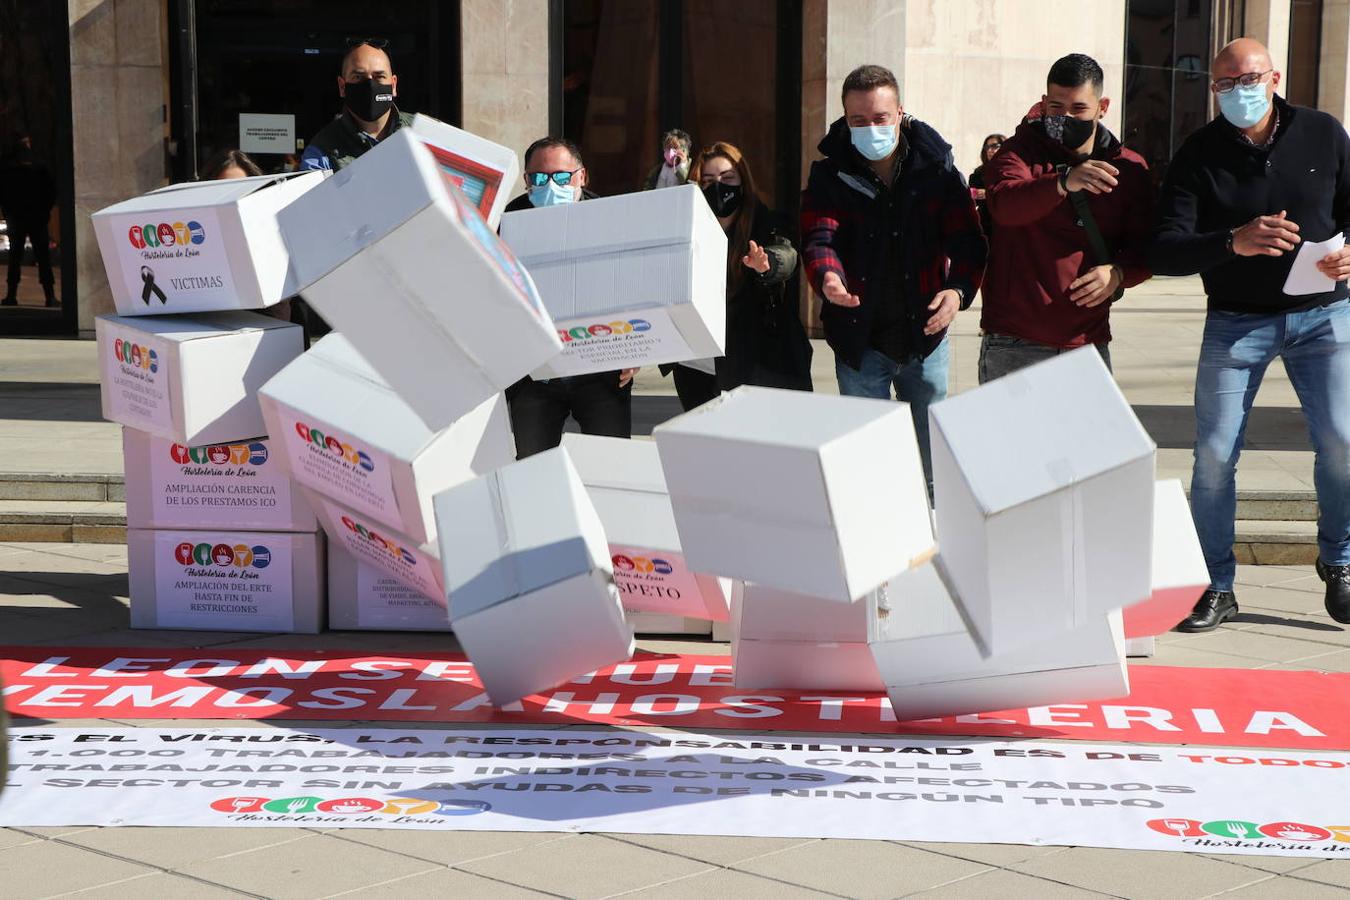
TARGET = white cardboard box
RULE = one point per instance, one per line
(791, 641)
(201, 246)
(343, 432)
(228, 486)
(1180, 575)
(626, 484)
(226, 580)
(653, 623)
(192, 379)
(484, 171)
(364, 598)
(933, 666)
(531, 590)
(1043, 484)
(813, 493)
(397, 555)
(395, 257)
(632, 280)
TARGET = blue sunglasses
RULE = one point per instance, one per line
(561, 179)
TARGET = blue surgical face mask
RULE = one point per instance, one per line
(1244, 106)
(550, 193)
(874, 141)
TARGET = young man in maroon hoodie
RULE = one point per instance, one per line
(1048, 289)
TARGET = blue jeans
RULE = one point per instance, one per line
(1237, 348)
(920, 384)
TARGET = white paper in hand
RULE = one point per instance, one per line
(1304, 277)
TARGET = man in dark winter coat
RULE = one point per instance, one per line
(1047, 291)
(892, 242)
(1240, 196)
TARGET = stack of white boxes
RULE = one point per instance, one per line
(217, 538)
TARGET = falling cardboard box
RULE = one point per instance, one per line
(364, 598)
(632, 280)
(820, 495)
(931, 665)
(531, 591)
(1180, 575)
(201, 246)
(343, 432)
(226, 580)
(484, 171)
(789, 641)
(240, 485)
(626, 484)
(395, 555)
(192, 379)
(395, 257)
(1043, 483)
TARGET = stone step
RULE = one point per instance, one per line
(61, 486)
(1265, 543)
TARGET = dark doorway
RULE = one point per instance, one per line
(37, 187)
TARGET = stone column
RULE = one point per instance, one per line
(1333, 73)
(119, 88)
(1268, 22)
(504, 60)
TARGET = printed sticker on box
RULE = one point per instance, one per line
(385, 602)
(138, 386)
(214, 581)
(654, 582)
(369, 543)
(216, 483)
(182, 259)
(338, 465)
(593, 341)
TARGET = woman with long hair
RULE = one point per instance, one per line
(988, 150)
(765, 342)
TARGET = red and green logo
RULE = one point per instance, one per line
(164, 234)
(236, 556)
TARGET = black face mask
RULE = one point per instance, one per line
(1072, 133)
(724, 199)
(368, 99)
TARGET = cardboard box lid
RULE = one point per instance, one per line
(771, 416)
(195, 326)
(517, 529)
(201, 193)
(333, 382)
(606, 225)
(628, 488)
(1041, 429)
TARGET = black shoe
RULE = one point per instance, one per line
(1338, 591)
(10, 300)
(51, 297)
(1214, 608)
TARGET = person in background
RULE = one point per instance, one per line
(27, 195)
(237, 164)
(1240, 196)
(892, 242)
(602, 402)
(673, 169)
(765, 342)
(367, 86)
(1061, 184)
(988, 150)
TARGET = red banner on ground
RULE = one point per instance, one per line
(1220, 707)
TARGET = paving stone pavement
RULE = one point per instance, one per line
(76, 594)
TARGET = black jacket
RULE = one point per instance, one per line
(894, 245)
(1218, 181)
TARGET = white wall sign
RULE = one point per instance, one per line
(266, 133)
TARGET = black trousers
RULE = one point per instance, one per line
(539, 409)
(35, 231)
(694, 388)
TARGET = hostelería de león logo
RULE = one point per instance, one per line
(253, 454)
(131, 355)
(603, 329)
(232, 558)
(1238, 832)
(310, 806)
(391, 549)
(354, 457)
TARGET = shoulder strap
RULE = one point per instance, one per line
(1096, 243)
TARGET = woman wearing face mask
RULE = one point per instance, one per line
(765, 344)
(673, 169)
(988, 151)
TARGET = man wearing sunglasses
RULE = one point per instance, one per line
(367, 86)
(1240, 197)
(601, 403)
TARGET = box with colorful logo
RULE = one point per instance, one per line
(1044, 483)
(264, 581)
(789, 641)
(1180, 575)
(812, 493)
(386, 551)
(932, 665)
(625, 483)
(362, 597)
(192, 379)
(529, 579)
(632, 280)
(236, 485)
(484, 171)
(395, 257)
(201, 246)
(341, 430)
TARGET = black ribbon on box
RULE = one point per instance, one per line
(148, 279)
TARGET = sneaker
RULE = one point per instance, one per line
(1338, 590)
(1213, 609)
